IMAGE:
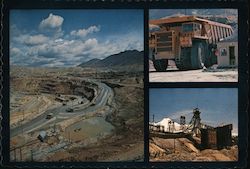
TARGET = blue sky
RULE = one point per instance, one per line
(217, 105)
(70, 37)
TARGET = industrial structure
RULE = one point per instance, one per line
(195, 122)
(190, 41)
(217, 138)
(228, 52)
(210, 137)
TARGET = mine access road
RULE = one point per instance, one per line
(59, 114)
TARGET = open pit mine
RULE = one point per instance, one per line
(75, 114)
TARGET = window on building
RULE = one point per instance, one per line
(223, 52)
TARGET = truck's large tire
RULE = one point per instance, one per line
(198, 54)
(183, 63)
(160, 64)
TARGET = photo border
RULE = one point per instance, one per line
(145, 5)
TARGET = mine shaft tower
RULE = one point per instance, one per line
(195, 122)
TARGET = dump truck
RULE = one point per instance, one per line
(49, 116)
(190, 41)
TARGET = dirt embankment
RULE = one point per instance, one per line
(182, 149)
(50, 86)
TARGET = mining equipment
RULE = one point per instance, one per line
(42, 136)
(49, 116)
(69, 110)
(190, 41)
(194, 127)
(182, 122)
(210, 137)
(195, 122)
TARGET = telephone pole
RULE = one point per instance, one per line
(31, 155)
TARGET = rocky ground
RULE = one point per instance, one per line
(182, 149)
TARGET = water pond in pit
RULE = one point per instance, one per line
(89, 130)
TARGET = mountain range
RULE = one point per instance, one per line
(126, 59)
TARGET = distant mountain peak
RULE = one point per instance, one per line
(122, 59)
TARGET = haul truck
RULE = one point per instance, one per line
(190, 41)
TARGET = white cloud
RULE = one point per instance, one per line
(176, 115)
(26, 39)
(52, 22)
(194, 12)
(66, 52)
(36, 39)
(153, 27)
(15, 51)
(84, 32)
(44, 50)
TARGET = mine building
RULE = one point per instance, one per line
(158, 128)
(42, 136)
(228, 52)
(216, 138)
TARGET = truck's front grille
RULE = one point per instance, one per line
(164, 41)
(164, 49)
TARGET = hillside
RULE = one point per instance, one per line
(130, 58)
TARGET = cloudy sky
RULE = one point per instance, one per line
(60, 38)
(217, 105)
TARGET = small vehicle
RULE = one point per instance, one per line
(69, 110)
(42, 136)
(49, 116)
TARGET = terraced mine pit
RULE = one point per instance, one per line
(75, 118)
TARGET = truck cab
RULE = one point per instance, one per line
(189, 31)
(191, 27)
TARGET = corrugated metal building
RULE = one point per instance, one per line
(216, 138)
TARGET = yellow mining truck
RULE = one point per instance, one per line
(188, 40)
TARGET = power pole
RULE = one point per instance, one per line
(15, 154)
(20, 151)
(69, 136)
(31, 155)
(174, 145)
(22, 121)
(54, 128)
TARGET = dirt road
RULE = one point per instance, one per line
(38, 123)
(174, 75)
